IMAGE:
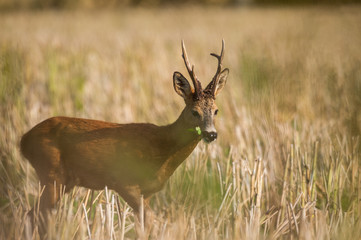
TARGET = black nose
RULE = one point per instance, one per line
(210, 136)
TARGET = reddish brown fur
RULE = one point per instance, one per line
(133, 159)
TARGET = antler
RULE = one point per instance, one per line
(212, 85)
(197, 84)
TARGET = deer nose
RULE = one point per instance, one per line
(210, 136)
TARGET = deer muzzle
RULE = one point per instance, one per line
(209, 136)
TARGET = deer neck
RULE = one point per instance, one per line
(184, 139)
(183, 134)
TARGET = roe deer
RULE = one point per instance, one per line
(133, 159)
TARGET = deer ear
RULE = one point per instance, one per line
(222, 81)
(181, 85)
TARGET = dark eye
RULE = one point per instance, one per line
(196, 114)
(216, 112)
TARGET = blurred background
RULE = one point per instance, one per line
(287, 163)
(93, 4)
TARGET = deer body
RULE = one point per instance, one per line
(133, 159)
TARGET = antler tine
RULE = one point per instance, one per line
(212, 85)
(196, 83)
(220, 57)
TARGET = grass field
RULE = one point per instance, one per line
(287, 163)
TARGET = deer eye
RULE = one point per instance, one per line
(216, 112)
(196, 114)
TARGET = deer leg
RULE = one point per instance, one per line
(133, 198)
(132, 195)
(50, 196)
(48, 166)
(52, 177)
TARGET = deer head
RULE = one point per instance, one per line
(201, 109)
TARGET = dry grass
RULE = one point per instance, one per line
(287, 161)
